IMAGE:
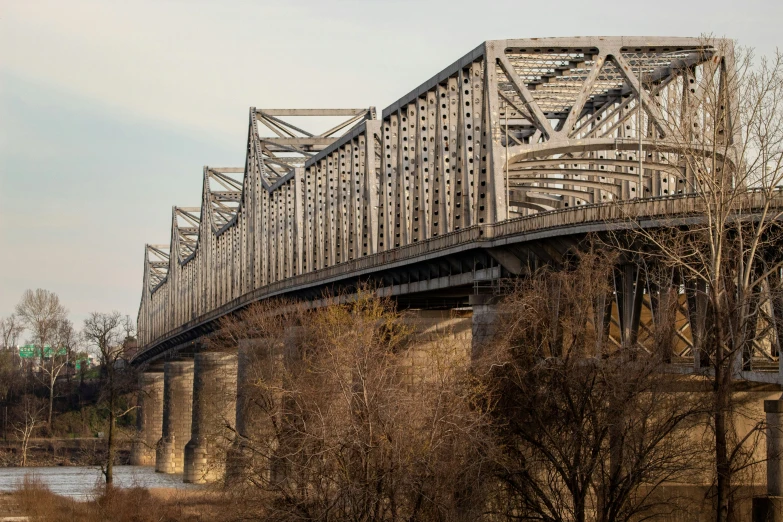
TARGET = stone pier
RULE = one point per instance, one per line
(442, 343)
(774, 414)
(214, 414)
(260, 365)
(177, 413)
(149, 419)
(770, 507)
(485, 315)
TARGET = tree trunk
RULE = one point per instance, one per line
(580, 514)
(25, 440)
(110, 457)
(722, 465)
(722, 390)
(51, 405)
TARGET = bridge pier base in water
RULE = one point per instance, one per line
(177, 406)
(214, 409)
(149, 419)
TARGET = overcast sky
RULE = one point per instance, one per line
(109, 109)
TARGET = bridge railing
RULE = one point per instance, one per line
(632, 213)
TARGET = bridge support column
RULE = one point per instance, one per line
(774, 413)
(769, 508)
(442, 342)
(258, 373)
(214, 407)
(149, 419)
(485, 315)
(629, 293)
(177, 406)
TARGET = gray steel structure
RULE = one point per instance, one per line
(503, 159)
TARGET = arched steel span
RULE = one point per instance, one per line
(525, 129)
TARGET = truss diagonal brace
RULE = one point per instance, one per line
(535, 111)
(587, 87)
(649, 104)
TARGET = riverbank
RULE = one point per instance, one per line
(33, 501)
(82, 482)
(61, 452)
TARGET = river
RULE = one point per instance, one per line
(79, 482)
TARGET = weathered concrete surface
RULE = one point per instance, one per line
(769, 508)
(484, 319)
(441, 343)
(774, 416)
(214, 414)
(257, 407)
(177, 414)
(149, 419)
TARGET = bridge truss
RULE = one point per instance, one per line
(513, 130)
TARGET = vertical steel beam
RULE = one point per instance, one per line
(629, 291)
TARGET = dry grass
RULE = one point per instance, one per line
(33, 499)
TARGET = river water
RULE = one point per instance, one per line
(79, 482)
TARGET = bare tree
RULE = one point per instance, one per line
(108, 332)
(10, 384)
(729, 149)
(50, 369)
(28, 415)
(69, 339)
(351, 417)
(41, 312)
(64, 340)
(588, 429)
(11, 328)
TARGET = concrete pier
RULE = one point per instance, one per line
(177, 414)
(258, 375)
(485, 314)
(214, 414)
(149, 419)
(774, 414)
(769, 508)
(442, 343)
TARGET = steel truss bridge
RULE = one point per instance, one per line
(501, 162)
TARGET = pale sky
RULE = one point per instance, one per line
(109, 109)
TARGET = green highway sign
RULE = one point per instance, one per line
(29, 351)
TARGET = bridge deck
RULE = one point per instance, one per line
(623, 215)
